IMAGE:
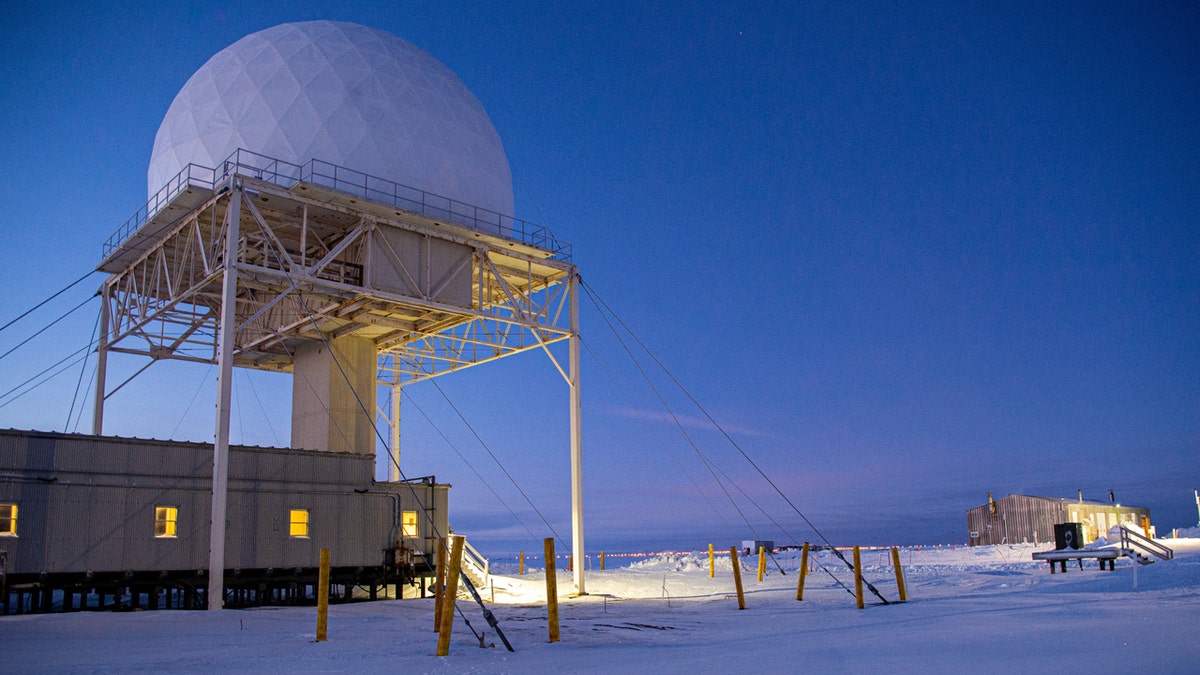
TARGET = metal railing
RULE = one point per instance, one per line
(476, 561)
(325, 174)
(192, 174)
(1132, 540)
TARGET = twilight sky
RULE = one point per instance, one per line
(905, 253)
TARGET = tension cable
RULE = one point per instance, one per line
(836, 552)
(35, 307)
(362, 407)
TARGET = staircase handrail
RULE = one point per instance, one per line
(475, 558)
(1131, 538)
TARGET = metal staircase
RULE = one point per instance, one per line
(475, 566)
(1140, 548)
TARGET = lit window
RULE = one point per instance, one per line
(8, 520)
(408, 521)
(299, 523)
(165, 518)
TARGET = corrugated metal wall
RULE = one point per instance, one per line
(87, 503)
(1022, 518)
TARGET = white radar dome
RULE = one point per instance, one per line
(341, 93)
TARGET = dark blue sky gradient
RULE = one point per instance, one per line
(906, 253)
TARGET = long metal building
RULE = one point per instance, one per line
(1026, 519)
(89, 517)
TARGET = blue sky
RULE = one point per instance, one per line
(906, 253)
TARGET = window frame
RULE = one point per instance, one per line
(405, 523)
(166, 522)
(9, 521)
(298, 529)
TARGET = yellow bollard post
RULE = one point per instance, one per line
(522, 568)
(451, 592)
(899, 574)
(439, 582)
(323, 597)
(737, 577)
(712, 565)
(601, 560)
(551, 590)
(803, 572)
(762, 564)
(858, 585)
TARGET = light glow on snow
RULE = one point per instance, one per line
(983, 609)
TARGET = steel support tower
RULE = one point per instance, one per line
(259, 262)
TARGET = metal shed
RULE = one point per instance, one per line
(1028, 519)
(91, 510)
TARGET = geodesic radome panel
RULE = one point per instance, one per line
(341, 93)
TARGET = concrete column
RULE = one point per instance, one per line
(333, 383)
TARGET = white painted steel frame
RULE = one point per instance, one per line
(220, 482)
(576, 390)
(295, 277)
(165, 301)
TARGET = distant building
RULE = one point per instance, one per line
(1021, 518)
(751, 546)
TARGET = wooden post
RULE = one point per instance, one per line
(439, 582)
(858, 585)
(803, 572)
(601, 560)
(900, 574)
(712, 565)
(522, 565)
(737, 577)
(551, 590)
(570, 563)
(448, 597)
(323, 597)
(762, 564)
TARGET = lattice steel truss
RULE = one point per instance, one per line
(433, 296)
(241, 264)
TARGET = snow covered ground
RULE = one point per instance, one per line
(983, 610)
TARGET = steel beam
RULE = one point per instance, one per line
(101, 362)
(394, 451)
(577, 548)
(225, 338)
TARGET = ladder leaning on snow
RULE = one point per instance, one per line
(1135, 546)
